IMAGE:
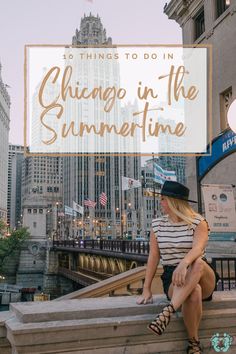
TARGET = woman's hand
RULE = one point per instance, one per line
(145, 298)
(179, 274)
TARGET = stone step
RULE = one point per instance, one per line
(30, 312)
(5, 346)
(111, 326)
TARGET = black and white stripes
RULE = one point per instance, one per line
(174, 239)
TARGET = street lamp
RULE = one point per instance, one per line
(94, 227)
(117, 216)
(8, 229)
(99, 223)
(80, 228)
(57, 204)
(128, 217)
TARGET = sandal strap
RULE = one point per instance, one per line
(162, 320)
(194, 346)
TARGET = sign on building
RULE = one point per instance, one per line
(220, 207)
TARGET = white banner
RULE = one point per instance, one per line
(130, 183)
(220, 207)
(169, 91)
(78, 208)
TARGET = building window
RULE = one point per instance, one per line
(221, 6)
(29, 211)
(225, 101)
(40, 211)
(35, 211)
(199, 23)
(34, 224)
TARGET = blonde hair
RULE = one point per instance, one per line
(181, 209)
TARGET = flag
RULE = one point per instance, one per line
(130, 183)
(78, 208)
(89, 203)
(69, 211)
(160, 175)
(103, 199)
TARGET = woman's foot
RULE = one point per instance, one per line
(162, 320)
(194, 346)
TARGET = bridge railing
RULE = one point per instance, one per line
(118, 246)
(226, 268)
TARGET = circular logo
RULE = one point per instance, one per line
(223, 197)
(221, 344)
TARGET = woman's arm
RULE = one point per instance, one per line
(200, 239)
(153, 261)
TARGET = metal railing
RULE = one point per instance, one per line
(226, 268)
(116, 246)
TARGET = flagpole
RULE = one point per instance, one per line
(154, 190)
(83, 225)
(100, 205)
(121, 208)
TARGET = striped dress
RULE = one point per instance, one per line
(174, 239)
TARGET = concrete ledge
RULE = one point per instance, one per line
(98, 307)
(118, 285)
(111, 326)
(5, 347)
(4, 316)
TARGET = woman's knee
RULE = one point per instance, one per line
(198, 266)
(196, 294)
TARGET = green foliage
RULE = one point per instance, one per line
(2, 227)
(8, 245)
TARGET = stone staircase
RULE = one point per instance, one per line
(108, 325)
(98, 320)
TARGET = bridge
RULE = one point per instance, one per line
(89, 261)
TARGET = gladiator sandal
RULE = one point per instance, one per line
(194, 346)
(162, 320)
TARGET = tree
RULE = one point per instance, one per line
(10, 244)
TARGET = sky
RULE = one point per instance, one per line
(55, 21)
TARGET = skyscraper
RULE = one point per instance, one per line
(89, 176)
(4, 135)
(15, 159)
(41, 194)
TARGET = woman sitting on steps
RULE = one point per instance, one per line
(179, 238)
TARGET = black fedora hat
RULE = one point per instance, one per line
(176, 190)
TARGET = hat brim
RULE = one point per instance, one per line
(175, 196)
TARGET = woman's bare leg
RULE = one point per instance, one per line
(199, 284)
(192, 312)
(198, 272)
(199, 276)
